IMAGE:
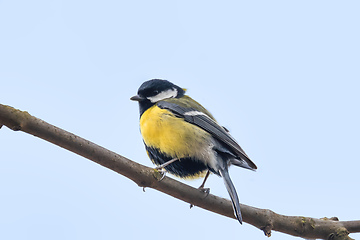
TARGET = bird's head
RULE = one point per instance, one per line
(155, 90)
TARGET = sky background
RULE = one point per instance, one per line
(282, 76)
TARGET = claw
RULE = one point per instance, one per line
(163, 175)
(161, 168)
(162, 171)
(205, 190)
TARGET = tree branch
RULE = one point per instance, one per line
(264, 219)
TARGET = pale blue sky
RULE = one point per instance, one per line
(282, 76)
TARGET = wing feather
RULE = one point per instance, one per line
(208, 124)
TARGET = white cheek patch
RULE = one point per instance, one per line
(171, 93)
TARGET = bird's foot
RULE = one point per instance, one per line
(204, 190)
(162, 171)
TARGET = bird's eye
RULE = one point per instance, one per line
(155, 92)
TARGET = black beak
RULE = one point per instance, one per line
(137, 98)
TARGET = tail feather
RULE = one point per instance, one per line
(232, 192)
(242, 163)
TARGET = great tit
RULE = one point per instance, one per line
(181, 136)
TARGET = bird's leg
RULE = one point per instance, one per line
(161, 168)
(166, 163)
(206, 190)
(201, 188)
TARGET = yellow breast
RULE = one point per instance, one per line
(172, 135)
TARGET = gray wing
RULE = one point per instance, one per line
(203, 121)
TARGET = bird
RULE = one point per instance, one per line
(183, 138)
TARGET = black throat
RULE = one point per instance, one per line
(145, 105)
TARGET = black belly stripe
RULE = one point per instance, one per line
(185, 167)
